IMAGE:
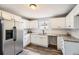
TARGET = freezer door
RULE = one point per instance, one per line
(8, 44)
(14, 45)
(19, 38)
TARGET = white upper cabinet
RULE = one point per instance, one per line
(76, 22)
(26, 24)
(69, 22)
(33, 24)
(57, 22)
(7, 15)
(72, 20)
(43, 24)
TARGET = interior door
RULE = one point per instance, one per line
(19, 37)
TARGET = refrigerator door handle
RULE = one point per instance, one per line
(14, 33)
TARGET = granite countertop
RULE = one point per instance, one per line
(48, 34)
(71, 39)
(65, 37)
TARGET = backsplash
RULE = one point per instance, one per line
(53, 31)
(75, 33)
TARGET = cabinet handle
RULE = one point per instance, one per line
(14, 33)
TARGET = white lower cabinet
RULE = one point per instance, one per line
(26, 39)
(67, 47)
(40, 40)
(71, 48)
(60, 44)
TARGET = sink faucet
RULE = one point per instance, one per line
(43, 32)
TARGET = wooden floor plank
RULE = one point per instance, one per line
(44, 51)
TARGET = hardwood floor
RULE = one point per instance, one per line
(44, 51)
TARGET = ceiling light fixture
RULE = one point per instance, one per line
(33, 6)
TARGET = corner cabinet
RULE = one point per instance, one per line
(72, 22)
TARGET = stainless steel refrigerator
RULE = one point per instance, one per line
(1, 48)
(12, 37)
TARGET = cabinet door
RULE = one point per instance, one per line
(26, 39)
(43, 41)
(76, 22)
(57, 23)
(72, 21)
(60, 43)
(71, 48)
(69, 22)
(43, 24)
(35, 39)
(33, 24)
(39, 40)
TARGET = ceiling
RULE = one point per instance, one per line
(43, 10)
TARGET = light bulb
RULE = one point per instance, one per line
(33, 6)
